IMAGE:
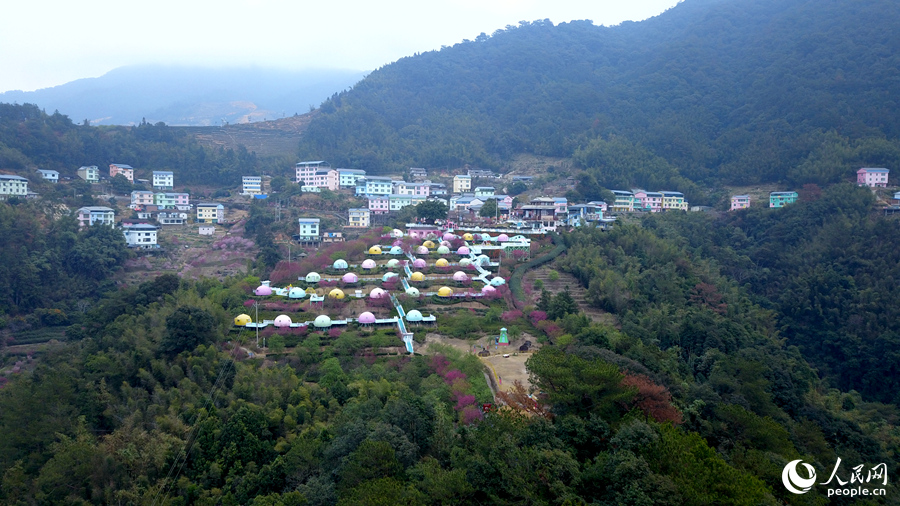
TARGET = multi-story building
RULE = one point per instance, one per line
(374, 185)
(359, 218)
(171, 218)
(674, 200)
(318, 174)
(251, 185)
(210, 213)
(648, 201)
(418, 173)
(120, 168)
(89, 173)
(480, 173)
(163, 180)
(309, 230)
(13, 186)
(347, 178)
(624, 200)
(462, 183)
(180, 201)
(140, 235)
(141, 198)
(740, 202)
(872, 177)
(96, 215)
(404, 188)
(398, 202)
(49, 175)
(379, 204)
(484, 191)
(436, 189)
(781, 199)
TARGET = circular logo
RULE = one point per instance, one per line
(793, 481)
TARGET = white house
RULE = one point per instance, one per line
(207, 230)
(13, 186)
(163, 180)
(49, 175)
(462, 183)
(210, 213)
(252, 185)
(309, 230)
(89, 173)
(91, 215)
(141, 235)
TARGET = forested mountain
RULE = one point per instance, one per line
(31, 138)
(181, 95)
(740, 91)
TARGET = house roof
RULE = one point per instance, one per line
(122, 166)
(866, 169)
(47, 171)
(140, 226)
(95, 209)
(317, 162)
(783, 194)
(162, 173)
(10, 177)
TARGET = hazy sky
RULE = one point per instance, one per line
(45, 43)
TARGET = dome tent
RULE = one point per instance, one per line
(263, 290)
(414, 316)
(296, 293)
(313, 277)
(375, 250)
(337, 293)
(242, 319)
(428, 244)
(396, 250)
(388, 276)
(322, 321)
(442, 262)
(464, 262)
(421, 250)
(340, 264)
(377, 293)
(368, 264)
(443, 250)
(445, 291)
(282, 321)
(498, 281)
(487, 289)
(460, 276)
(449, 236)
(393, 263)
(462, 250)
(468, 237)
(419, 264)
(396, 233)
(417, 276)
(366, 318)
(412, 291)
(350, 278)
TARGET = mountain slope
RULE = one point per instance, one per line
(742, 90)
(189, 95)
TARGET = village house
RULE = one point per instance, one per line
(91, 215)
(740, 202)
(397, 202)
(462, 183)
(51, 176)
(347, 178)
(436, 189)
(872, 177)
(781, 199)
(332, 236)
(181, 201)
(13, 186)
(89, 173)
(418, 173)
(359, 218)
(120, 168)
(674, 200)
(624, 201)
(317, 174)
(404, 188)
(484, 191)
(171, 218)
(141, 198)
(480, 173)
(206, 230)
(379, 204)
(308, 231)
(141, 235)
(210, 213)
(163, 180)
(648, 201)
(251, 185)
(374, 185)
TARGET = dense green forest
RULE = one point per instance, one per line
(31, 138)
(740, 91)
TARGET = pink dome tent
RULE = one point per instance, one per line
(421, 250)
(488, 289)
(366, 318)
(368, 264)
(282, 321)
(263, 290)
(460, 276)
(462, 250)
(449, 236)
(419, 263)
(502, 238)
(350, 278)
(377, 293)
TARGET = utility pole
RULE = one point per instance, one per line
(256, 306)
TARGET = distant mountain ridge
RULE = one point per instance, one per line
(189, 96)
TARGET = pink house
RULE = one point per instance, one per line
(142, 198)
(379, 204)
(318, 174)
(740, 202)
(872, 177)
(404, 188)
(120, 168)
(651, 201)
